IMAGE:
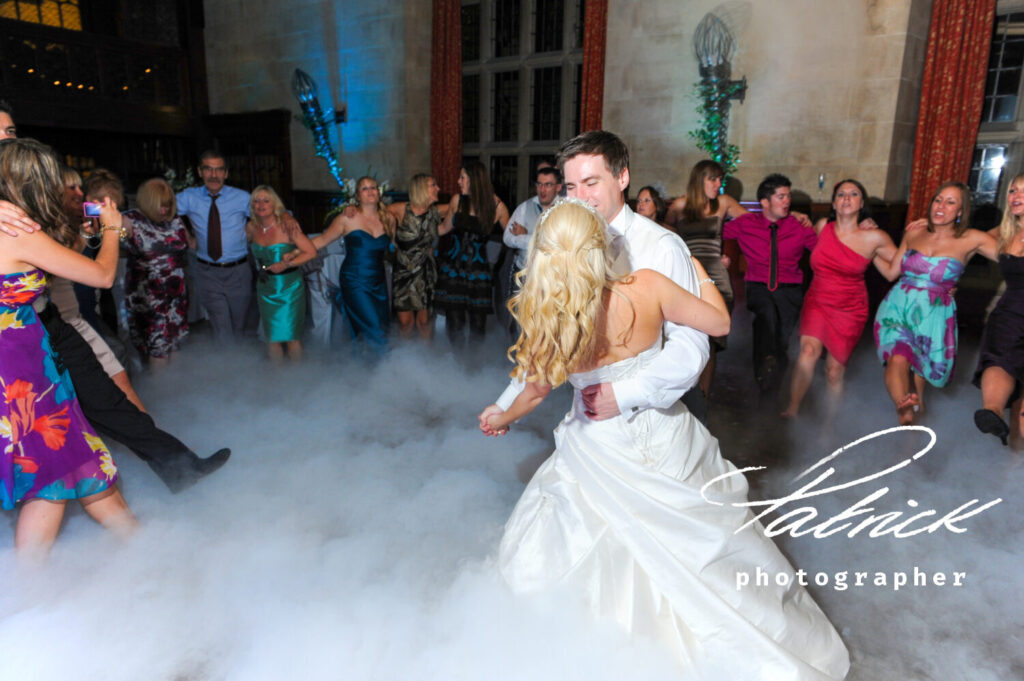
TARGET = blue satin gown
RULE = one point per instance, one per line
(364, 291)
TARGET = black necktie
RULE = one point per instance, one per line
(213, 248)
(773, 260)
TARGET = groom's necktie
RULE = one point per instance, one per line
(619, 255)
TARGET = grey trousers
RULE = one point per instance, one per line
(225, 292)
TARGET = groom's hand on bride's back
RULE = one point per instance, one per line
(599, 401)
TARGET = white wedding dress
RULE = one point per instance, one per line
(617, 510)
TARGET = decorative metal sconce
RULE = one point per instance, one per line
(714, 46)
(314, 118)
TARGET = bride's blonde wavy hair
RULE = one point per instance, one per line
(559, 301)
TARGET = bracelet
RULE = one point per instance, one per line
(122, 231)
(706, 280)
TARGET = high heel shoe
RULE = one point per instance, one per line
(988, 421)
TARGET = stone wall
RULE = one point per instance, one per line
(373, 54)
(833, 89)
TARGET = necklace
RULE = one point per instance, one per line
(263, 229)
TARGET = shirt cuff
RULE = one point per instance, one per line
(509, 396)
(629, 396)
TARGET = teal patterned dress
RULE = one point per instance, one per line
(917, 319)
(282, 297)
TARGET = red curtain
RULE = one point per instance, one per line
(595, 32)
(952, 93)
(446, 94)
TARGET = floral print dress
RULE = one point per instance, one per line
(49, 450)
(156, 297)
(917, 319)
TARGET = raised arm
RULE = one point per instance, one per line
(14, 220)
(708, 313)
(733, 209)
(987, 245)
(446, 226)
(337, 228)
(495, 421)
(40, 250)
(675, 210)
(677, 368)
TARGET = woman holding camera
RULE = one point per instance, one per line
(51, 453)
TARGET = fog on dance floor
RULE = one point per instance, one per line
(352, 536)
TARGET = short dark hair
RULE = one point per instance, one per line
(5, 107)
(549, 170)
(770, 184)
(212, 153)
(596, 143)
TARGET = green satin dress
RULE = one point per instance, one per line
(282, 297)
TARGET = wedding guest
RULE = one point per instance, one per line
(279, 248)
(518, 230)
(415, 272)
(915, 326)
(156, 297)
(218, 213)
(836, 307)
(651, 205)
(363, 297)
(772, 242)
(465, 282)
(53, 453)
(1000, 369)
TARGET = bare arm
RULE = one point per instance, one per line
(38, 249)
(675, 210)
(494, 421)
(447, 225)
(733, 209)
(987, 245)
(707, 313)
(14, 221)
(501, 213)
(884, 258)
(335, 230)
(306, 251)
(397, 210)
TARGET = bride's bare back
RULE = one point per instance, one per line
(637, 307)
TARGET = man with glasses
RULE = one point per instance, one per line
(218, 214)
(520, 227)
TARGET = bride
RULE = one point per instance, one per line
(618, 509)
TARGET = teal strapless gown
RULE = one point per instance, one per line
(364, 291)
(282, 297)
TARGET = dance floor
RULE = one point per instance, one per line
(352, 534)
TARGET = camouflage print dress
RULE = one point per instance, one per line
(415, 272)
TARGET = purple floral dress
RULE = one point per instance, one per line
(156, 297)
(49, 450)
(917, 319)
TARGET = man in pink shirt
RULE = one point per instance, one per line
(772, 241)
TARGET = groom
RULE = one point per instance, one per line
(595, 166)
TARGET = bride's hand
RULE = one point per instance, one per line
(490, 419)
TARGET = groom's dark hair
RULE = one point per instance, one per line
(596, 143)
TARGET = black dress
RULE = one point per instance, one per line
(464, 278)
(1002, 344)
